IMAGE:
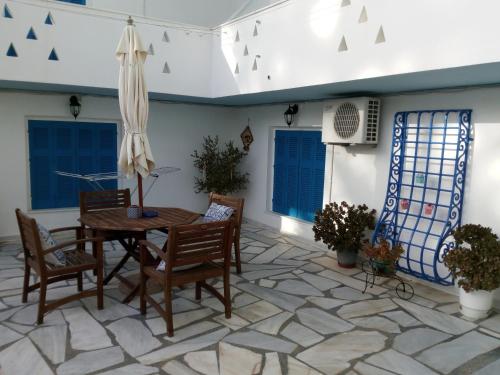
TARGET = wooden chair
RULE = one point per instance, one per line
(77, 261)
(93, 201)
(237, 204)
(202, 245)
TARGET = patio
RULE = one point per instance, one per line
(294, 312)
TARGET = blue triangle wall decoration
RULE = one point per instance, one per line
(31, 34)
(53, 55)
(49, 20)
(11, 52)
(6, 12)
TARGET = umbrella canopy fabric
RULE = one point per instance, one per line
(135, 152)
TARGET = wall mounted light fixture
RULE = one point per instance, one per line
(290, 113)
(74, 105)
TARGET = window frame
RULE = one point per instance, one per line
(27, 119)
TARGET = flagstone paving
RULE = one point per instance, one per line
(295, 311)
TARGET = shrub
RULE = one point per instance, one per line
(342, 227)
(475, 261)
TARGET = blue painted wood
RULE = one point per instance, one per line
(299, 169)
(426, 189)
(76, 147)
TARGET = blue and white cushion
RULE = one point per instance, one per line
(57, 258)
(219, 212)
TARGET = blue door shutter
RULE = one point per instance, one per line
(299, 169)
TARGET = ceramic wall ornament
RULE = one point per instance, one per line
(247, 137)
(405, 204)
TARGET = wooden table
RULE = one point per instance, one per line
(114, 223)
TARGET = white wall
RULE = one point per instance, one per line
(175, 131)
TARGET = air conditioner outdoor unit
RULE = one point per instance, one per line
(351, 121)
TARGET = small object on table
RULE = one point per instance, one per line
(373, 270)
(150, 213)
(134, 212)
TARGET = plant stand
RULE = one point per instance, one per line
(403, 290)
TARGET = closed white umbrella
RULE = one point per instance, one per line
(135, 152)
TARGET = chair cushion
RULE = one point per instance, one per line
(57, 258)
(219, 212)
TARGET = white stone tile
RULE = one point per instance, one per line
(234, 323)
(192, 330)
(294, 252)
(402, 318)
(429, 292)
(350, 294)
(204, 362)
(272, 364)
(213, 303)
(290, 262)
(133, 336)
(283, 276)
(23, 358)
(491, 369)
(490, 332)
(451, 308)
(272, 325)
(52, 342)
(243, 299)
(492, 323)
(298, 368)
(184, 347)
(352, 282)
(257, 311)
(85, 363)
(7, 336)
(158, 325)
(28, 315)
(319, 282)
(322, 322)
(301, 335)
(113, 310)
(332, 264)
(297, 287)
(399, 363)
(364, 308)
(4, 315)
(177, 368)
(377, 322)
(444, 322)
(312, 267)
(21, 328)
(285, 301)
(260, 341)
(13, 283)
(133, 369)
(267, 283)
(326, 303)
(238, 361)
(86, 333)
(253, 249)
(254, 275)
(269, 255)
(333, 355)
(366, 369)
(458, 351)
(415, 340)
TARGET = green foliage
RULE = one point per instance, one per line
(219, 167)
(342, 227)
(475, 262)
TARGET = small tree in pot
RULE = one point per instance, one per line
(475, 263)
(343, 228)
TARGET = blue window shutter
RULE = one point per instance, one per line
(107, 162)
(279, 187)
(64, 151)
(307, 161)
(292, 175)
(318, 175)
(40, 153)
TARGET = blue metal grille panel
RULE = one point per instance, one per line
(425, 189)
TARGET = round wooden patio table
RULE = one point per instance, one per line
(114, 223)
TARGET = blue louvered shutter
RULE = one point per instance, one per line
(292, 175)
(307, 164)
(280, 167)
(318, 175)
(106, 160)
(64, 160)
(40, 141)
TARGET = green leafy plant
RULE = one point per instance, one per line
(342, 227)
(218, 167)
(384, 254)
(475, 261)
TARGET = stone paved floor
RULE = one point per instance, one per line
(294, 312)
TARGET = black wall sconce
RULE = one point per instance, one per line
(290, 114)
(74, 105)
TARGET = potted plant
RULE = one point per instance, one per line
(383, 257)
(342, 228)
(219, 167)
(475, 263)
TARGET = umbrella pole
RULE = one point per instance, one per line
(139, 186)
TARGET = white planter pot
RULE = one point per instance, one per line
(476, 304)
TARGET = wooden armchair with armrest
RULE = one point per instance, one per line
(200, 245)
(77, 261)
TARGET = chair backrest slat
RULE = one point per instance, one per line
(91, 201)
(198, 243)
(235, 203)
(30, 236)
